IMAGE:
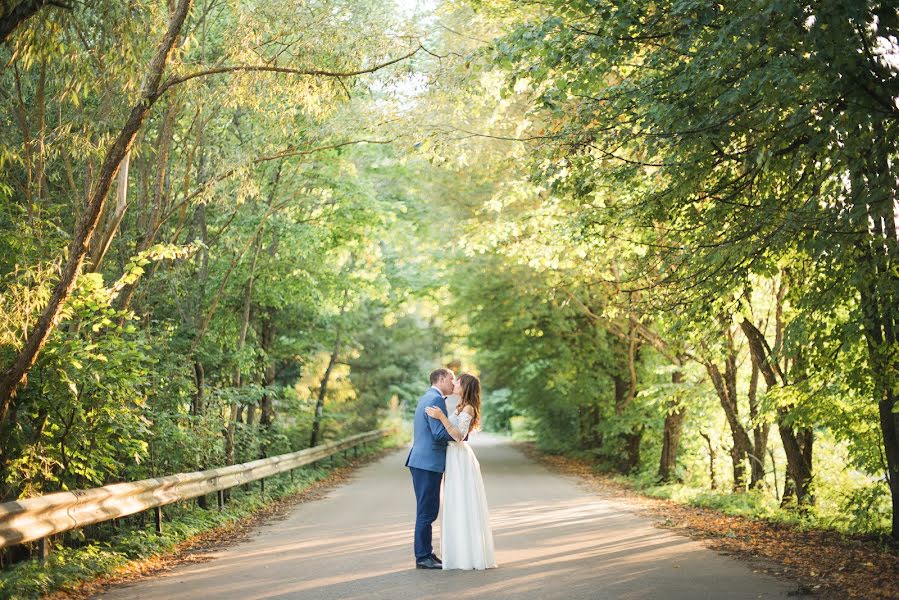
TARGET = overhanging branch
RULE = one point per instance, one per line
(290, 71)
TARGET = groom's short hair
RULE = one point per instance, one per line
(438, 374)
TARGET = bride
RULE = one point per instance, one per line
(466, 538)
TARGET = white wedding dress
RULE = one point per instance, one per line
(466, 537)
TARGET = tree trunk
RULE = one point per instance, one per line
(712, 478)
(151, 227)
(103, 241)
(19, 13)
(267, 411)
(880, 263)
(236, 408)
(797, 444)
(625, 392)
(199, 379)
(87, 224)
(878, 334)
(726, 388)
(674, 424)
(590, 435)
(629, 459)
(760, 433)
(588, 419)
(267, 335)
(632, 442)
(798, 450)
(323, 388)
(196, 408)
(322, 391)
(889, 426)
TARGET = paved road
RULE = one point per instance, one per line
(554, 540)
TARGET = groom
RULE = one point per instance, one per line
(427, 461)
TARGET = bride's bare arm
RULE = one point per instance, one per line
(435, 413)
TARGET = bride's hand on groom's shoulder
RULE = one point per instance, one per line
(435, 413)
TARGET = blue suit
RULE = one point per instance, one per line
(427, 461)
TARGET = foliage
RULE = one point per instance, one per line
(497, 411)
(641, 186)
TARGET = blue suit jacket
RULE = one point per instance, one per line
(429, 436)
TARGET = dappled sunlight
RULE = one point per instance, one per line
(553, 541)
(562, 513)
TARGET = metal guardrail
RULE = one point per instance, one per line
(34, 518)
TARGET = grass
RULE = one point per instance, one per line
(754, 504)
(845, 504)
(68, 566)
(866, 516)
(758, 504)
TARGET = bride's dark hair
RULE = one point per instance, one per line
(471, 396)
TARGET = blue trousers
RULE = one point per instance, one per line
(427, 498)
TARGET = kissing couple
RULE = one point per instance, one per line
(440, 444)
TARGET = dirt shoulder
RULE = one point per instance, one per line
(825, 562)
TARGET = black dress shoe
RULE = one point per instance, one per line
(428, 563)
(437, 560)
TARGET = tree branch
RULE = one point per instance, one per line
(273, 69)
(21, 12)
(260, 159)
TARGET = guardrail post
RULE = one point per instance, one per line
(262, 487)
(45, 548)
(158, 519)
(221, 498)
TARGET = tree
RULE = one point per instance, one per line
(152, 88)
(744, 147)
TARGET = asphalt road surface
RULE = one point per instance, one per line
(554, 540)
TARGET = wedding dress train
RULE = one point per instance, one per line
(466, 537)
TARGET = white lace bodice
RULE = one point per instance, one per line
(462, 422)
